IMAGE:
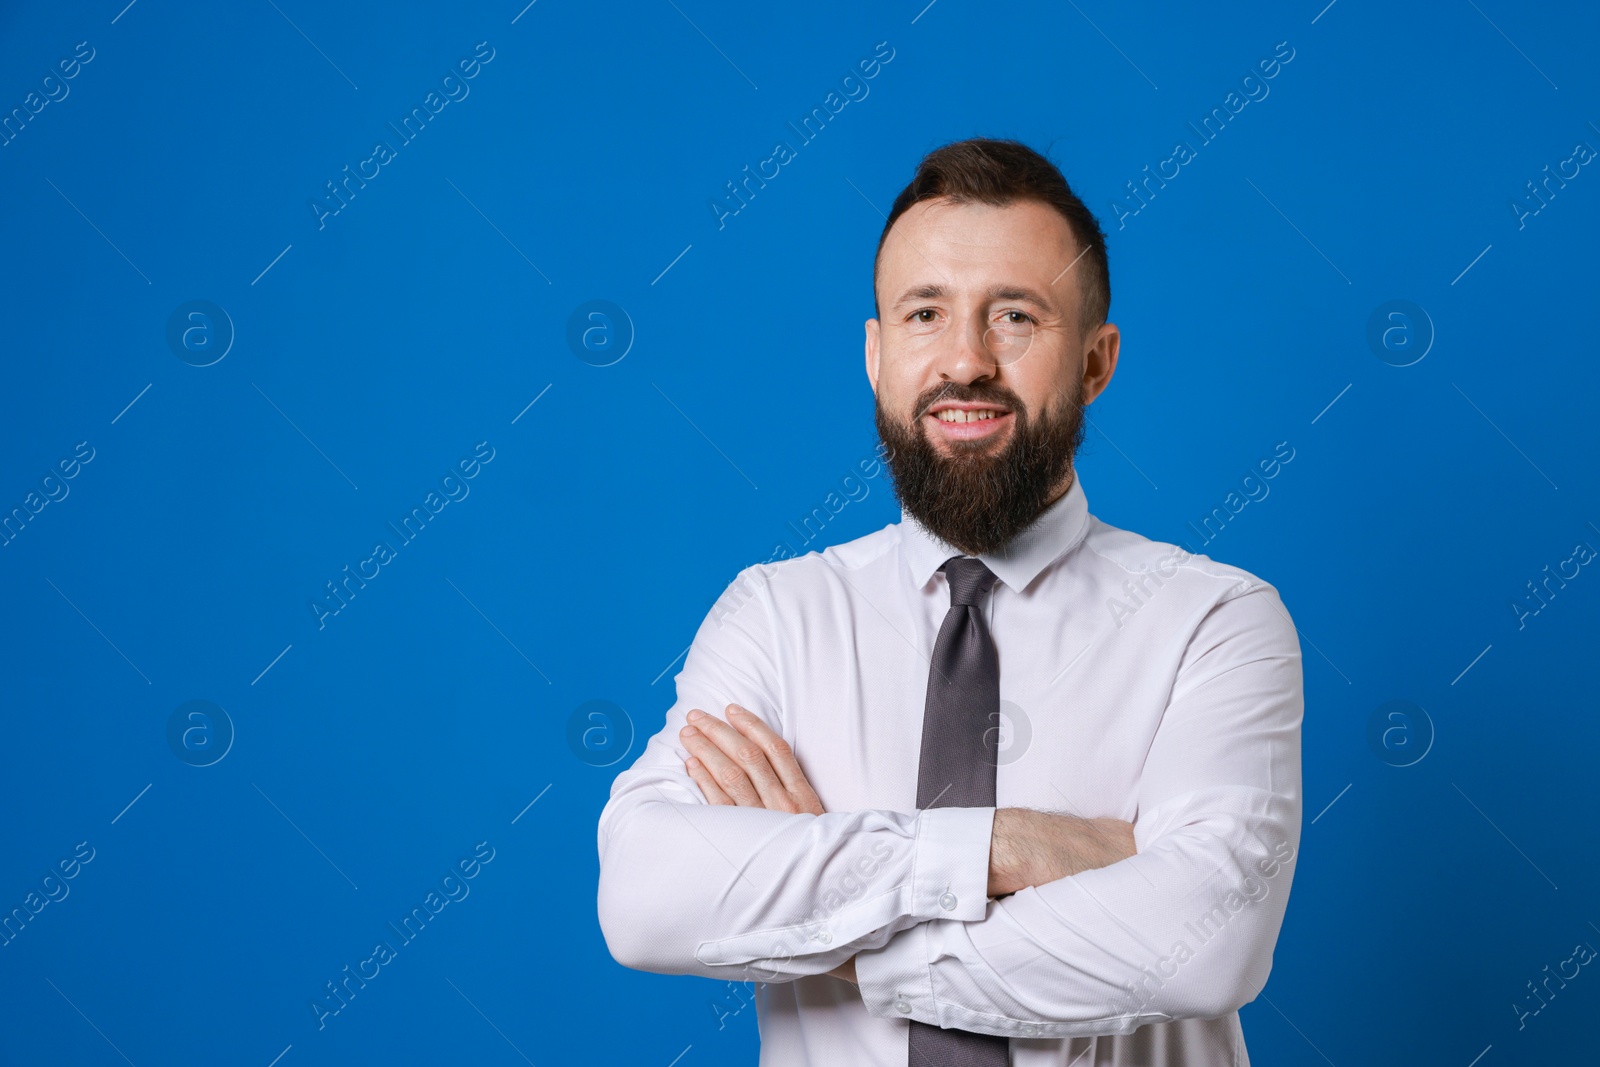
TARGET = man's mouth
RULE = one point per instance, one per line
(955, 420)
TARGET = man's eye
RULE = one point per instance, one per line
(916, 316)
(1020, 317)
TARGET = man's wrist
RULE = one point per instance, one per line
(1006, 873)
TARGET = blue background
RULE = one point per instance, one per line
(373, 350)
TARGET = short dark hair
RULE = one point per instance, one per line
(1000, 173)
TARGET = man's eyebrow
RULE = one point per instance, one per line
(921, 292)
(1019, 292)
(995, 292)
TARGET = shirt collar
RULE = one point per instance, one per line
(1052, 535)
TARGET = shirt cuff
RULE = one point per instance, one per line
(951, 877)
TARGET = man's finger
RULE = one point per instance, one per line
(708, 786)
(747, 757)
(701, 739)
(780, 756)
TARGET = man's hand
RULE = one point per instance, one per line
(1029, 848)
(746, 764)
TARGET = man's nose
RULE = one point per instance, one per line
(968, 355)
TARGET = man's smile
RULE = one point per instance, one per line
(955, 420)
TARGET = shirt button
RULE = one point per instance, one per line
(1030, 1029)
(824, 936)
(903, 1006)
(948, 902)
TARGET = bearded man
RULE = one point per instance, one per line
(956, 810)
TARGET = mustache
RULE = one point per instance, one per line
(970, 393)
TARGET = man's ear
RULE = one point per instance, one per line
(873, 336)
(1100, 361)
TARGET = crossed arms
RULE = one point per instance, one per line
(1096, 926)
(742, 763)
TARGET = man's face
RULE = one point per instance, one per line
(979, 367)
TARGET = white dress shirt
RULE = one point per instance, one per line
(1137, 681)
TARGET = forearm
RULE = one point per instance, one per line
(1031, 848)
(752, 894)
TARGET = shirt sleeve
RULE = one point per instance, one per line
(1183, 929)
(748, 894)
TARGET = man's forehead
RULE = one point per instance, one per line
(980, 224)
(1026, 235)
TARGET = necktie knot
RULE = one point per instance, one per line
(969, 580)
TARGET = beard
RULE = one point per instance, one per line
(981, 495)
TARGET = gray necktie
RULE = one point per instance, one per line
(957, 769)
